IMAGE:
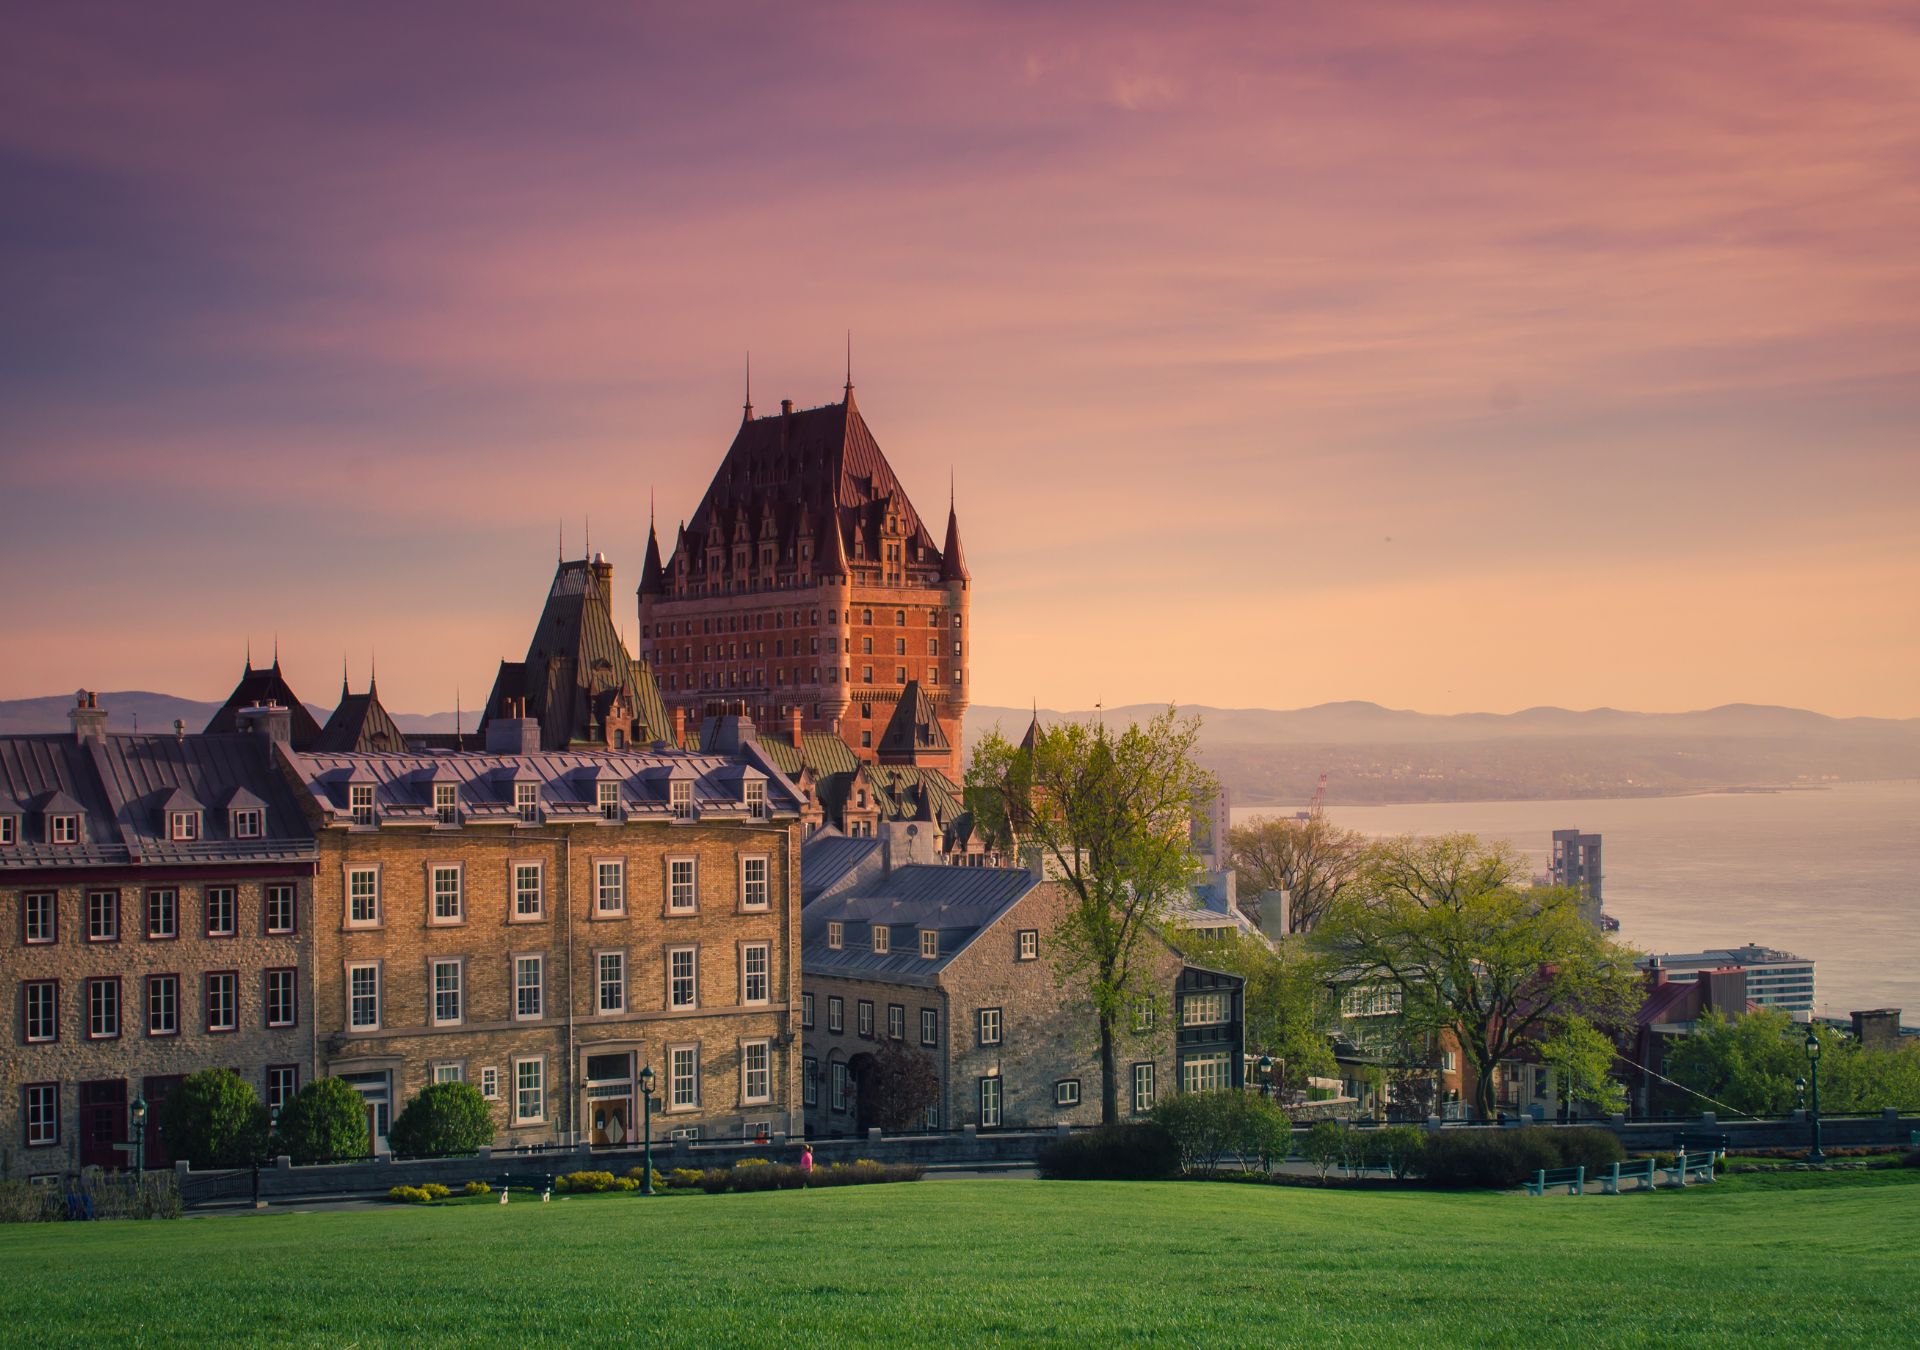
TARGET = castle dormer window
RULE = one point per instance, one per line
(446, 803)
(63, 829)
(9, 831)
(360, 803)
(249, 822)
(526, 802)
(609, 794)
(755, 793)
(680, 799)
(183, 826)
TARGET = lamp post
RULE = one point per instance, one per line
(1814, 1155)
(646, 1125)
(1265, 1068)
(139, 1134)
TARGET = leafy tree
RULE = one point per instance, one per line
(900, 1083)
(1288, 1003)
(325, 1121)
(1452, 927)
(1581, 1058)
(1313, 860)
(1750, 1065)
(1109, 814)
(443, 1118)
(214, 1118)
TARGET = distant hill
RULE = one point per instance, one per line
(1375, 754)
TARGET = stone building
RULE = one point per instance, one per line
(807, 586)
(157, 899)
(959, 963)
(546, 924)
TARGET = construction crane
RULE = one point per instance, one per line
(1317, 804)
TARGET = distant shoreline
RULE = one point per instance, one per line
(1742, 790)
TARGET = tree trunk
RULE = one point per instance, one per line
(1109, 1087)
(1484, 1103)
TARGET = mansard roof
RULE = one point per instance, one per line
(260, 687)
(960, 902)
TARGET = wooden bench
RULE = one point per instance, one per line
(1641, 1172)
(1573, 1178)
(1697, 1168)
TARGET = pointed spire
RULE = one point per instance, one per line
(561, 554)
(831, 551)
(653, 577)
(276, 651)
(373, 674)
(589, 524)
(849, 390)
(953, 558)
(345, 688)
(249, 653)
(746, 414)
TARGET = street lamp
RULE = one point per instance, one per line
(1814, 1155)
(1265, 1067)
(140, 1134)
(646, 1122)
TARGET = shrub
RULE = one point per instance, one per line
(681, 1178)
(1141, 1152)
(1490, 1158)
(753, 1162)
(435, 1191)
(215, 1119)
(1912, 1159)
(1201, 1124)
(1593, 1149)
(583, 1183)
(638, 1174)
(1324, 1146)
(325, 1121)
(409, 1195)
(443, 1118)
(476, 1188)
(1400, 1149)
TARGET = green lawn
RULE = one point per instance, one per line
(1750, 1260)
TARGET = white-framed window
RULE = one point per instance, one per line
(43, 1114)
(989, 1022)
(40, 1008)
(449, 1071)
(882, 939)
(1142, 1088)
(756, 982)
(754, 886)
(608, 795)
(863, 1018)
(449, 991)
(163, 1005)
(1448, 1061)
(490, 1084)
(183, 826)
(680, 798)
(1203, 1010)
(930, 943)
(1143, 1014)
(529, 987)
(836, 934)
(1205, 1072)
(63, 829)
(610, 977)
(529, 893)
(529, 1091)
(1029, 945)
(103, 916)
(610, 886)
(836, 1013)
(249, 822)
(360, 803)
(809, 1081)
(683, 1077)
(446, 803)
(282, 911)
(896, 1022)
(223, 911)
(756, 1072)
(929, 1026)
(755, 792)
(1066, 1092)
(363, 995)
(837, 1079)
(282, 997)
(163, 913)
(40, 922)
(103, 1008)
(526, 805)
(448, 906)
(989, 1103)
(683, 895)
(806, 1012)
(683, 977)
(363, 897)
(9, 830)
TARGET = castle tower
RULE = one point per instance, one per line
(805, 580)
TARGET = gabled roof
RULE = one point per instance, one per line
(959, 902)
(359, 722)
(914, 729)
(179, 799)
(259, 688)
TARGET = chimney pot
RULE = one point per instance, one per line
(786, 407)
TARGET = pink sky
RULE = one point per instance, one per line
(1465, 356)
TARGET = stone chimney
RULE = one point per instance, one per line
(602, 571)
(1656, 972)
(793, 725)
(88, 717)
(513, 735)
(679, 726)
(270, 722)
(1877, 1029)
(1725, 991)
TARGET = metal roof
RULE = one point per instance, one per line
(958, 902)
(827, 857)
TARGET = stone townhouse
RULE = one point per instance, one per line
(547, 924)
(959, 962)
(157, 895)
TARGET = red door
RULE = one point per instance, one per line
(155, 1090)
(103, 1123)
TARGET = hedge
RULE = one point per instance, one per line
(1142, 1152)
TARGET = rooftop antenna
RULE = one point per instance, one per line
(344, 686)
(563, 541)
(589, 520)
(749, 404)
(249, 652)
(276, 650)
(373, 676)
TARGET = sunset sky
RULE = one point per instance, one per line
(1453, 356)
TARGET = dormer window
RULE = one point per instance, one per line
(836, 936)
(9, 831)
(882, 939)
(446, 803)
(183, 826)
(756, 795)
(929, 943)
(526, 802)
(249, 822)
(609, 801)
(63, 829)
(680, 798)
(360, 803)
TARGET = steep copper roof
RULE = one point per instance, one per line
(258, 687)
(913, 730)
(360, 723)
(953, 559)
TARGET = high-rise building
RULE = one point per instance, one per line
(1775, 979)
(806, 587)
(1576, 865)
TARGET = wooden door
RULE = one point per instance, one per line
(103, 1123)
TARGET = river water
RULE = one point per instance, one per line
(1832, 874)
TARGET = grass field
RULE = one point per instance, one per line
(1749, 1260)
